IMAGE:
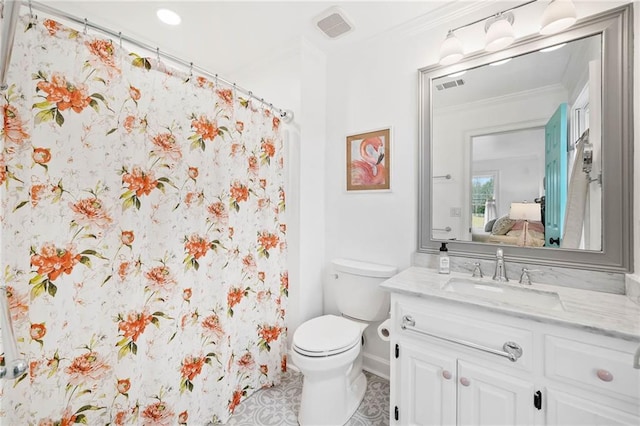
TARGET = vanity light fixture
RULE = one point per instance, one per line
(559, 15)
(451, 50)
(499, 31)
(169, 17)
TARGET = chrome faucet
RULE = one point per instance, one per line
(525, 278)
(500, 273)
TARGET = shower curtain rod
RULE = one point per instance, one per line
(285, 115)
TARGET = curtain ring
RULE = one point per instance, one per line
(190, 69)
(86, 24)
(158, 54)
(120, 38)
(216, 79)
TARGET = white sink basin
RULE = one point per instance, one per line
(504, 293)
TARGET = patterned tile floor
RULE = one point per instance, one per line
(278, 406)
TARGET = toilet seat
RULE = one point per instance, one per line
(326, 335)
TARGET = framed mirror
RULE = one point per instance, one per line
(530, 149)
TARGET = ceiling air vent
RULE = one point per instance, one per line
(333, 23)
(450, 84)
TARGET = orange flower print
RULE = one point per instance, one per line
(268, 151)
(253, 165)
(239, 126)
(158, 414)
(104, 54)
(123, 270)
(51, 26)
(284, 284)
(123, 386)
(18, 304)
(196, 246)
(248, 263)
(191, 367)
(13, 130)
(37, 331)
(264, 369)
(192, 197)
(142, 183)
(120, 418)
(261, 276)
(266, 241)
(204, 129)
(235, 399)
(90, 211)
(212, 327)
(35, 368)
(160, 278)
(236, 149)
(239, 193)
(193, 173)
(127, 238)
(275, 123)
(246, 363)
(86, 367)
(201, 81)
(231, 231)
(53, 261)
(183, 417)
(186, 294)
(68, 418)
(129, 123)
(134, 93)
(169, 149)
(218, 213)
(283, 364)
(41, 155)
(3, 170)
(268, 334)
(235, 296)
(263, 183)
(226, 96)
(65, 95)
(134, 325)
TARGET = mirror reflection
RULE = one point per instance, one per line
(516, 150)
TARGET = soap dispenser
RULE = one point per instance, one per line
(443, 263)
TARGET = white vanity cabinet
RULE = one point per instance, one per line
(562, 375)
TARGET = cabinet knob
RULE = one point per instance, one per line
(604, 375)
(446, 374)
(464, 381)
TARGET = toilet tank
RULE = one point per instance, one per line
(358, 294)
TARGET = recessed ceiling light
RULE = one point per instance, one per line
(552, 48)
(504, 61)
(169, 17)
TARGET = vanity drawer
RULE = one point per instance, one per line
(454, 330)
(596, 368)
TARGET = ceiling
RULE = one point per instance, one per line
(226, 36)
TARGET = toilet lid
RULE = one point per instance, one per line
(328, 333)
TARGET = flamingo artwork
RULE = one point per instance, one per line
(369, 169)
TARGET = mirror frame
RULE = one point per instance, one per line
(616, 255)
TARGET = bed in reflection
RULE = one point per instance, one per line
(511, 232)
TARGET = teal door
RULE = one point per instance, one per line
(555, 176)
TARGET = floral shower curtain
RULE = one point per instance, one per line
(143, 237)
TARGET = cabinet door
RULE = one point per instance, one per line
(564, 409)
(426, 386)
(488, 397)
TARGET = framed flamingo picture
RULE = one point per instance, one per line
(368, 161)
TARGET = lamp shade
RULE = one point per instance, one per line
(451, 50)
(525, 211)
(559, 15)
(499, 32)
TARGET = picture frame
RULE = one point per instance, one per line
(368, 161)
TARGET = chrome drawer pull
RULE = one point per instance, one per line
(510, 350)
(604, 375)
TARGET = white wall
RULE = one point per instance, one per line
(376, 85)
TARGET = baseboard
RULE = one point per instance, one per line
(376, 365)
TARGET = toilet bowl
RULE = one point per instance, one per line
(328, 349)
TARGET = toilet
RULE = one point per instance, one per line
(328, 349)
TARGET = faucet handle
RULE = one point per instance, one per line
(525, 278)
(477, 271)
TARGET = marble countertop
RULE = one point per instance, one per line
(603, 313)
